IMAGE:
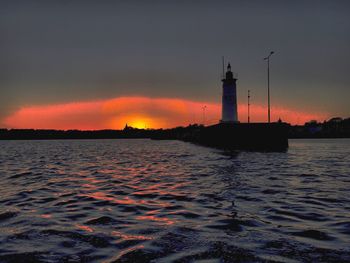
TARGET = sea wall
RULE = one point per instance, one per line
(240, 136)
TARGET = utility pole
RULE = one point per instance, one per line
(248, 106)
(268, 84)
(204, 108)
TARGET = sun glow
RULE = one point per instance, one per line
(140, 122)
(137, 121)
(141, 113)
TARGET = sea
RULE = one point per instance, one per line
(141, 200)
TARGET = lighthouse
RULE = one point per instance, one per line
(229, 97)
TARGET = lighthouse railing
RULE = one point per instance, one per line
(235, 75)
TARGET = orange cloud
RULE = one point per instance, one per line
(140, 112)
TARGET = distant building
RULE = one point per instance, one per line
(229, 97)
(127, 128)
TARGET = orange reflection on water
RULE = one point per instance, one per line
(164, 190)
(126, 200)
(46, 216)
(115, 259)
(163, 220)
(85, 228)
(124, 236)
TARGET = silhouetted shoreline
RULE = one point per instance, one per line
(334, 128)
(247, 136)
(33, 134)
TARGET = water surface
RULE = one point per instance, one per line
(170, 201)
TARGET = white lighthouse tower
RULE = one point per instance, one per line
(229, 97)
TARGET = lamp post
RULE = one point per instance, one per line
(268, 83)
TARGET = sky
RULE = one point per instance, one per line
(101, 64)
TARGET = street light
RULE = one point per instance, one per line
(268, 83)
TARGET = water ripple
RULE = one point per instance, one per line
(170, 201)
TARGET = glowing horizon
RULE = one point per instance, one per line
(140, 112)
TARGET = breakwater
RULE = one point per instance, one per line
(240, 136)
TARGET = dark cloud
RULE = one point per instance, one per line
(60, 51)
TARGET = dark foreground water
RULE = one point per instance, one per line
(170, 201)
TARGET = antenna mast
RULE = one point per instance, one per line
(223, 67)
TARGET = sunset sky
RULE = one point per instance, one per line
(101, 64)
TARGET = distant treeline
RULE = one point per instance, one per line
(29, 134)
(127, 133)
(334, 128)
